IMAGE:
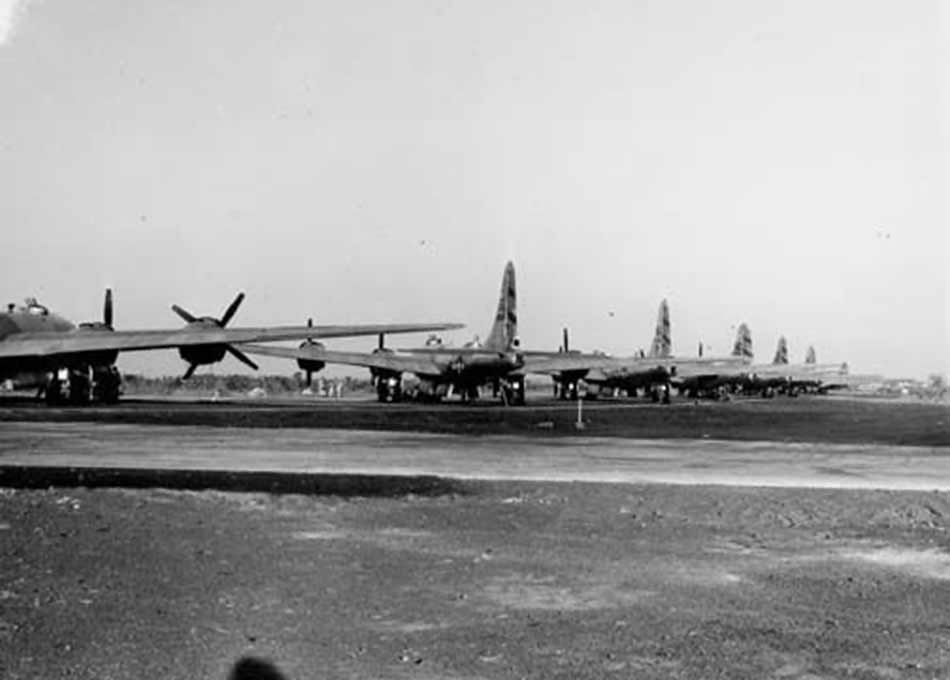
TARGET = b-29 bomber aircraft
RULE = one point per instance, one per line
(781, 377)
(778, 377)
(76, 364)
(499, 362)
(652, 373)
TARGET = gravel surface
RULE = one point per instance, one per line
(490, 580)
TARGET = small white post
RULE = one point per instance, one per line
(580, 412)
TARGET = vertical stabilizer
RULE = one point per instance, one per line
(662, 340)
(505, 329)
(781, 351)
(810, 357)
(743, 344)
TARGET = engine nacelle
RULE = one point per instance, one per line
(377, 373)
(105, 357)
(199, 355)
(311, 365)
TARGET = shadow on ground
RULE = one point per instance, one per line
(314, 484)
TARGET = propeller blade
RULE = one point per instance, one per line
(309, 378)
(566, 346)
(241, 356)
(183, 314)
(310, 322)
(229, 312)
(107, 309)
(382, 340)
(190, 372)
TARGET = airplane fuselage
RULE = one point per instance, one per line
(36, 321)
(471, 367)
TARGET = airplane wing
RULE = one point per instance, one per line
(800, 371)
(388, 361)
(692, 368)
(558, 362)
(47, 344)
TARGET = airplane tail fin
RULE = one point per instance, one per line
(743, 344)
(505, 329)
(781, 351)
(662, 340)
(810, 357)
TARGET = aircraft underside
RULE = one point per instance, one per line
(74, 384)
(510, 390)
(571, 387)
(82, 385)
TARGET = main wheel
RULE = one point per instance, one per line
(53, 393)
(80, 387)
(106, 385)
(517, 392)
(665, 394)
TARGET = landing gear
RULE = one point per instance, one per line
(567, 390)
(389, 388)
(106, 384)
(660, 394)
(68, 386)
(513, 392)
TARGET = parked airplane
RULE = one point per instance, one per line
(652, 373)
(499, 362)
(723, 378)
(767, 379)
(781, 377)
(77, 364)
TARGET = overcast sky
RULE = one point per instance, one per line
(783, 164)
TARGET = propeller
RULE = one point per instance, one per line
(381, 341)
(565, 347)
(309, 373)
(240, 356)
(190, 318)
(229, 312)
(107, 309)
(700, 349)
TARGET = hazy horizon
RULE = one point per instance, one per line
(779, 165)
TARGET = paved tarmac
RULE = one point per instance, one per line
(327, 452)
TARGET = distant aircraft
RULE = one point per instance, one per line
(719, 379)
(499, 362)
(77, 364)
(778, 377)
(781, 377)
(653, 373)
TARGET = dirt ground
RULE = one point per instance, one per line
(488, 580)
